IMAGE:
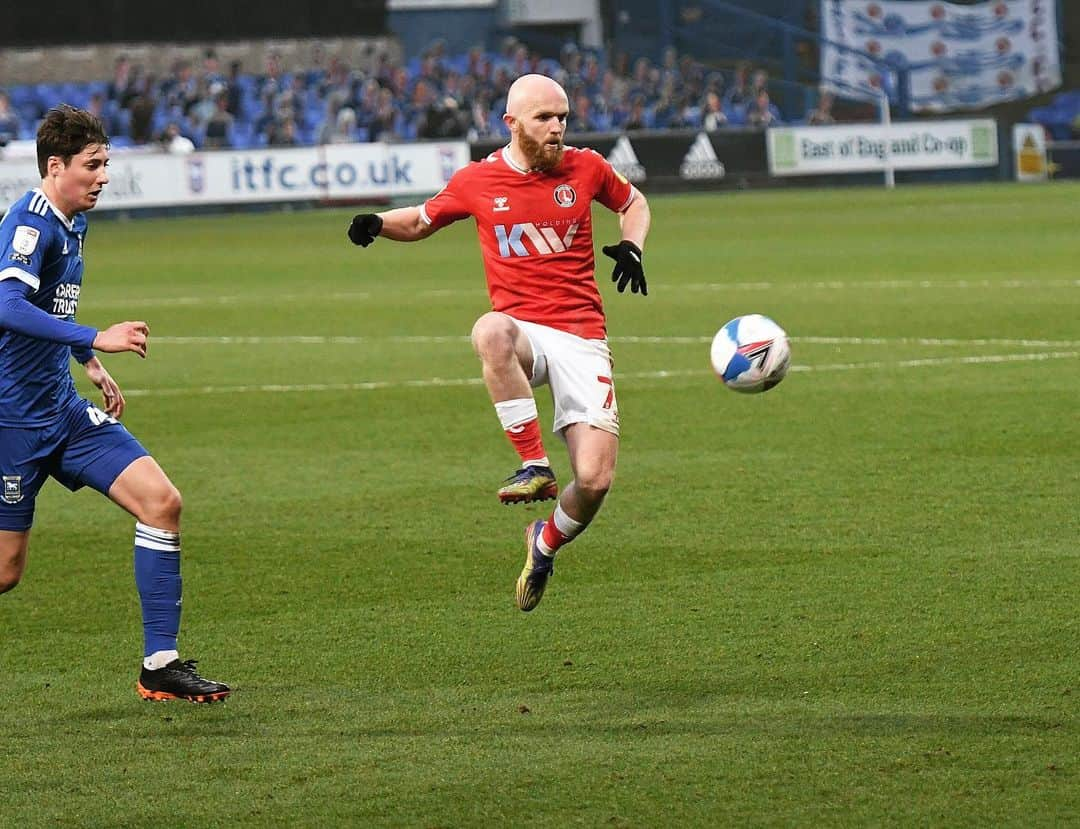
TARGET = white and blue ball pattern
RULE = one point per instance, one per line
(751, 354)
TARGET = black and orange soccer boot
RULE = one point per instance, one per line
(178, 680)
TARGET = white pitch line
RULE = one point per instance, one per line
(935, 341)
(890, 284)
(441, 382)
(300, 339)
(247, 299)
(343, 296)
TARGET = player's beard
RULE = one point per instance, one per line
(542, 157)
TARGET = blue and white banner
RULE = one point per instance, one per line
(335, 171)
(957, 56)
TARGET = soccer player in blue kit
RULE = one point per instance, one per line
(47, 429)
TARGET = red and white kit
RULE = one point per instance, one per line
(536, 234)
(536, 237)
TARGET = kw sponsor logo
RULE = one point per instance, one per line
(623, 158)
(544, 240)
(700, 161)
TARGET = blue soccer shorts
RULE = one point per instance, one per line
(83, 447)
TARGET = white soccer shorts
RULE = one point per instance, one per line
(579, 374)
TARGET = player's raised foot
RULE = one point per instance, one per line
(178, 680)
(538, 569)
(528, 484)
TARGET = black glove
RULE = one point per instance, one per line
(364, 228)
(628, 268)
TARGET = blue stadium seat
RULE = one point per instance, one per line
(243, 134)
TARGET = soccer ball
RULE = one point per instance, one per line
(751, 354)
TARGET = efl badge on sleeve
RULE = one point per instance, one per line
(25, 239)
(12, 489)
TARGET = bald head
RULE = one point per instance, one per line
(536, 112)
(534, 92)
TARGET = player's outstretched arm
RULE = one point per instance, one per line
(629, 266)
(114, 398)
(402, 224)
(635, 220)
(124, 336)
(18, 314)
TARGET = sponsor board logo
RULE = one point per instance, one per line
(623, 158)
(700, 161)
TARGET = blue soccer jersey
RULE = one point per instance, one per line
(42, 249)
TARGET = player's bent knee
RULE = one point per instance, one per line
(162, 508)
(493, 335)
(594, 485)
(9, 580)
(171, 502)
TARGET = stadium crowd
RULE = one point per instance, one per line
(435, 95)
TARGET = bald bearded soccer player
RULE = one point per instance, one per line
(531, 201)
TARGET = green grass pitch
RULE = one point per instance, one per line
(850, 601)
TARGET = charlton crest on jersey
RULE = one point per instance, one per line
(565, 195)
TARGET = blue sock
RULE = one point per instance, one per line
(157, 577)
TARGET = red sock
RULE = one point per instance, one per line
(527, 442)
(552, 538)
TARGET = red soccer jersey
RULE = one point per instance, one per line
(536, 233)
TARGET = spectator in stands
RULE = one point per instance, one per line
(712, 112)
(342, 130)
(822, 113)
(96, 106)
(645, 79)
(142, 109)
(759, 83)
(9, 120)
(182, 91)
(294, 98)
(384, 121)
(174, 141)
(762, 113)
(199, 112)
(337, 81)
(315, 71)
(267, 116)
(669, 111)
(692, 78)
(613, 90)
(674, 94)
(592, 74)
(480, 121)
(740, 95)
(638, 118)
(235, 89)
(120, 87)
(211, 67)
(423, 96)
(271, 77)
(453, 86)
(219, 126)
(581, 116)
(283, 133)
(443, 119)
(669, 66)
